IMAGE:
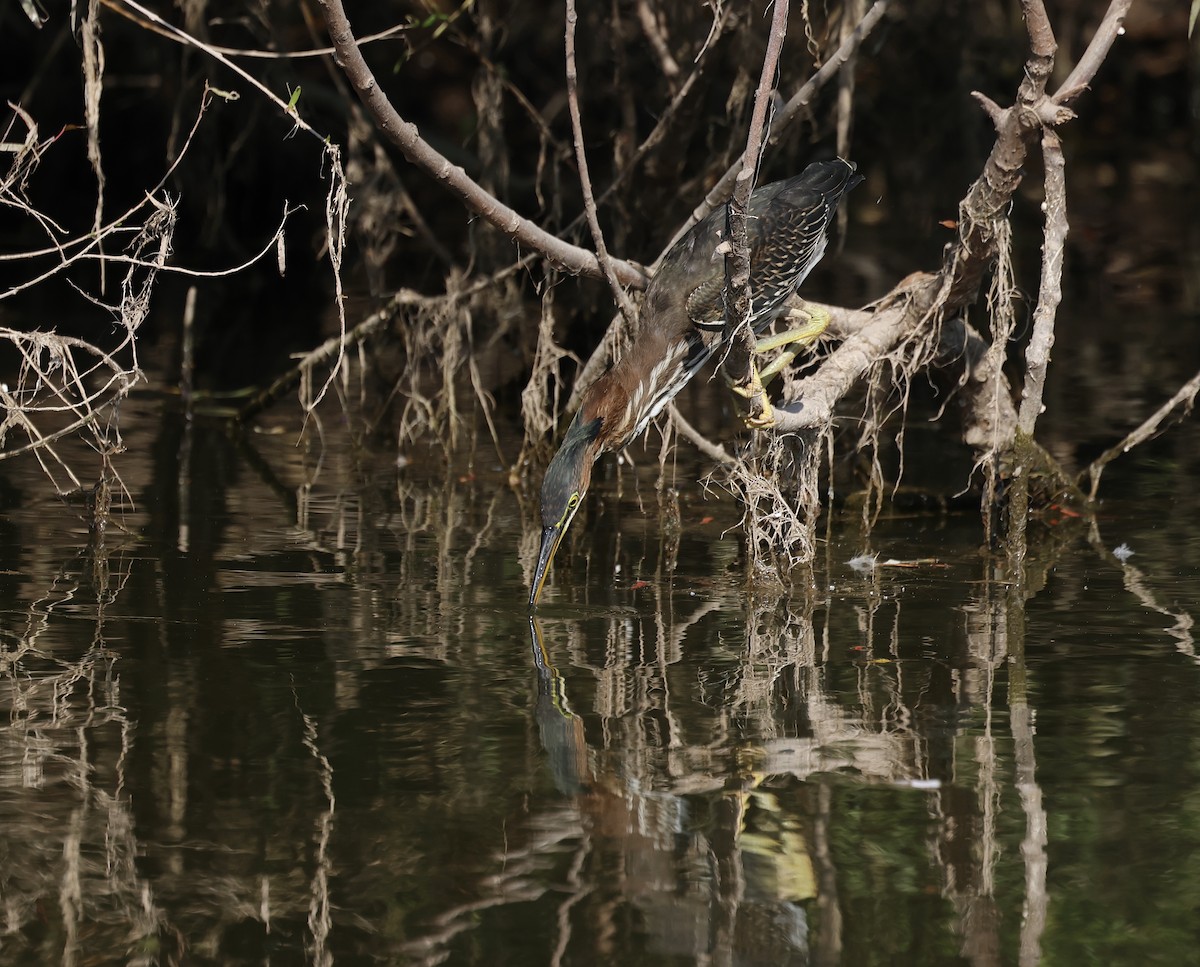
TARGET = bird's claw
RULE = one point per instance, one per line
(758, 413)
(764, 419)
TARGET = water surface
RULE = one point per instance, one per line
(291, 708)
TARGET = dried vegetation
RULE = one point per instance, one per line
(479, 332)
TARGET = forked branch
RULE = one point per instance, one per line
(405, 136)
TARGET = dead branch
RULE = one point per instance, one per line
(714, 451)
(957, 284)
(845, 98)
(93, 74)
(739, 336)
(667, 117)
(116, 7)
(1184, 399)
(585, 179)
(875, 334)
(405, 136)
(655, 34)
(11, 196)
(1037, 354)
(795, 107)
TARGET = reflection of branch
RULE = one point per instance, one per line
(1033, 845)
(828, 948)
(1135, 584)
(520, 877)
(320, 917)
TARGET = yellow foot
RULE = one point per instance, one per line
(764, 419)
(758, 414)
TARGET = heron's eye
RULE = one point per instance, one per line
(572, 502)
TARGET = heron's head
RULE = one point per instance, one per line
(563, 488)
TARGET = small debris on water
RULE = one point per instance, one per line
(863, 563)
(1123, 552)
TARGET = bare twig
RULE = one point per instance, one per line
(408, 139)
(667, 117)
(720, 193)
(1105, 36)
(336, 201)
(845, 98)
(988, 199)
(796, 105)
(117, 7)
(185, 38)
(654, 32)
(1184, 399)
(585, 179)
(714, 451)
(739, 336)
(93, 84)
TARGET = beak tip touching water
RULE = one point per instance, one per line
(550, 538)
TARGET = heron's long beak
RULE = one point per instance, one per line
(551, 538)
(563, 488)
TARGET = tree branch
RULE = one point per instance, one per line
(405, 136)
(720, 193)
(1037, 354)
(625, 307)
(970, 257)
(814, 398)
(714, 451)
(739, 336)
(1106, 35)
(1185, 398)
(795, 106)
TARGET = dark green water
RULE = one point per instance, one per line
(297, 713)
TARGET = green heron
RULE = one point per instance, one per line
(682, 325)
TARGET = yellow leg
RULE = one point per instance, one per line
(816, 321)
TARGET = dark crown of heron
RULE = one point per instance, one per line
(570, 471)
